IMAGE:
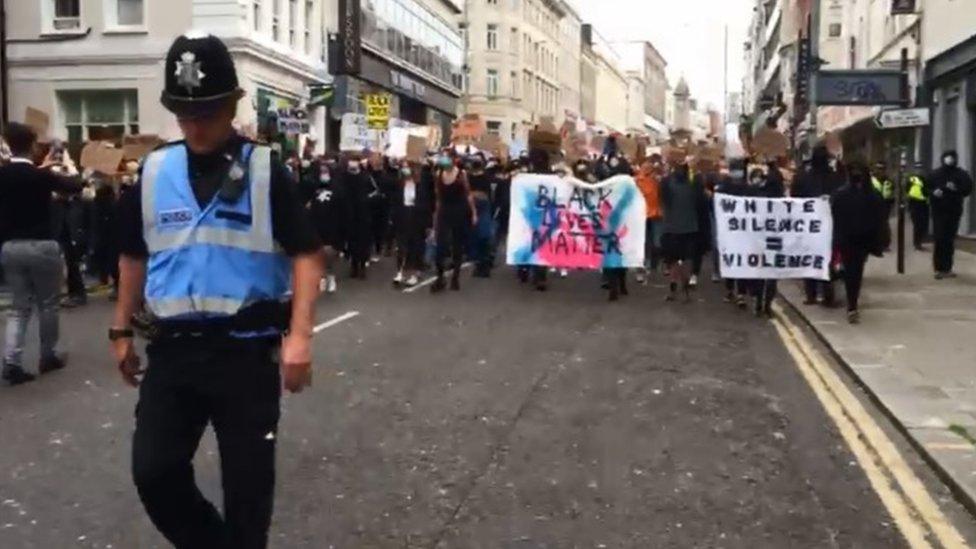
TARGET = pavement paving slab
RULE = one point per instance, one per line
(914, 353)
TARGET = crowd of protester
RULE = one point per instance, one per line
(451, 208)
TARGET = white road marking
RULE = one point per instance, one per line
(914, 510)
(337, 320)
(429, 281)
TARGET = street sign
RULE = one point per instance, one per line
(861, 87)
(903, 118)
(902, 7)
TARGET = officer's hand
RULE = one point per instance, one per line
(129, 364)
(296, 362)
(951, 186)
(937, 193)
(474, 220)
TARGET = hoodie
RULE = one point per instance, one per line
(940, 179)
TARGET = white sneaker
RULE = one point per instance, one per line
(374, 259)
(330, 284)
(412, 281)
(640, 277)
(693, 281)
(563, 273)
(552, 269)
(398, 278)
(322, 285)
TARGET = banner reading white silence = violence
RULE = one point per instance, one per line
(773, 238)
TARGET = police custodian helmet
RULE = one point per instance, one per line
(200, 76)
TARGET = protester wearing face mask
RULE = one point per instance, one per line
(820, 180)
(331, 214)
(483, 231)
(409, 222)
(358, 187)
(681, 200)
(948, 187)
(650, 187)
(454, 215)
(858, 212)
(765, 186)
(736, 184)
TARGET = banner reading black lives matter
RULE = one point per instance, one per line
(773, 238)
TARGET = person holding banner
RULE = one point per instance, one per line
(480, 183)
(859, 213)
(765, 186)
(454, 213)
(681, 200)
(538, 163)
(409, 221)
(819, 180)
(357, 187)
(735, 184)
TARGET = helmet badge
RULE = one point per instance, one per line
(188, 73)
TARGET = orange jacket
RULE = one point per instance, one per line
(650, 188)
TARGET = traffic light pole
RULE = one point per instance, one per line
(814, 69)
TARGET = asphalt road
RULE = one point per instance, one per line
(492, 417)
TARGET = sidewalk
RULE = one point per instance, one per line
(915, 353)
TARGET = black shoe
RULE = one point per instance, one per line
(15, 375)
(623, 289)
(455, 284)
(614, 294)
(541, 286)
(438, 286)
(523, 276)
(51, 364)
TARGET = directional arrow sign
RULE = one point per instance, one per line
(903, 118)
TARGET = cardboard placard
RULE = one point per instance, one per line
(468, 129)
(675, 155)
(134, 147)
(490, 143)
(416, 148)
(770, 143)
(547, 124)
(546, 141)
(628, 147)
(378, 111)
(101, 157)
(38, 121)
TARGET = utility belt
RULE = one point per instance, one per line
(266, 317)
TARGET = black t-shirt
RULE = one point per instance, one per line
(25, 200)
(290, 224)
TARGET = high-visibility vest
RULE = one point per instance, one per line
(211, 262)
(915, 189)
(887, 189)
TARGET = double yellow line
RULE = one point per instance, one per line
(901, 491)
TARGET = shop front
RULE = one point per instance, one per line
(413, 99)
(950, 91)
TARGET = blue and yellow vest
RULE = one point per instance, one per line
(214, 262)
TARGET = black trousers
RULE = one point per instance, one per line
(945, 225)
(812, 287)
(764, 291)
(452, 235)
(919, 210)
(72, 265)
(854, 261)
(234, 385)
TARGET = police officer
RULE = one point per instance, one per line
(918, 206)
(212, 238)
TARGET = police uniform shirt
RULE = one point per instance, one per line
(291, 226)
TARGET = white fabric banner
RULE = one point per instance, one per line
(773, 238)
(567, 223)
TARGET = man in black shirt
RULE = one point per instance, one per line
(31, 257)
(208, 239)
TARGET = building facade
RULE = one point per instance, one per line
(570, 74)
(410, 51)
(96, 67)
(514, 61)
(643, 62)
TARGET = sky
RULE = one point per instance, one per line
(688, 33)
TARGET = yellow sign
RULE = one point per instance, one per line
(378, 111)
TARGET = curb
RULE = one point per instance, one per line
(967, 500)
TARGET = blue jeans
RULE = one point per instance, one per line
(33, 271)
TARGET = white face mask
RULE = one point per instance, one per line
(325, 178)
(949, 161)
(614, 162)
(354, 168)
(737, 174)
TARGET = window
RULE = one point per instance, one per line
(492, 2)
(515, 90)
(492, 37)
(513, 43)
(492, 83)
(66, 15)
(309, 8)
(275, 15)
(98, 115)
(494, 127)
(129, 13)
(256, 13)
(834, 30)
(292, 21)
